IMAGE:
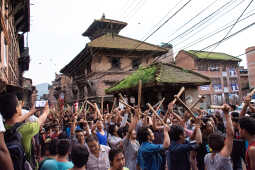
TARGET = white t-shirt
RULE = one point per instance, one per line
(2, 128)
(32, 118)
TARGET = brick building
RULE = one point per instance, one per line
(61, 87)
(30, 92)
(223, 71)
(244, 81)
(107, 59)
(250, 55)
(14, 60)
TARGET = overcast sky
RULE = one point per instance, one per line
(56, 27)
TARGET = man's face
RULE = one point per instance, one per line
(242, 133)
(80, 137)
(93, 147)
(118, 161)
(99, 125)
(151, 135)
(133, 134)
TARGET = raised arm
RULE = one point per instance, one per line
(166, 142)
(246, 104)
(227, 149)
(44, 115)
(27, 115)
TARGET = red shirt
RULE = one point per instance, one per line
(247, 156)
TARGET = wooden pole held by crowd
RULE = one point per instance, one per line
(139, 94)
(107, 108)
(186, 107)
(216, 107)
(102, 105)
(251, 93)
(155, 113)
(127, 105)
(200, 98)
(160, 103)
(178, 95)
(93, 106)
(114, 104)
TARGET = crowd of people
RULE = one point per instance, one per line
(55, 138)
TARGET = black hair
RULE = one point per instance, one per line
(233, 106)
(63, 135)
(8, 105)
(53, 147)
(111, 129)
(216, 141)
(143, 134)
(248, 124)
(175, 132)
(113, 153)
(252, 115)
(79, 151)
(78, 130)
(91, 138)
(235, 114)
(20, 95)
(63, 146)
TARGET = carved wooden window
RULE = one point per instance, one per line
(135, 63)
(115, 62)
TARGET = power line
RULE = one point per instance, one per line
(136, 9)
(164, 23)
(206, 8)
(212, 34)
(204, 19)
(206, 25)
(233, 26)
(163, 18)
(230, 36)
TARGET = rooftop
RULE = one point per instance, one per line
(120, 42)
(213, 55)
(159, 73)
(102, 26)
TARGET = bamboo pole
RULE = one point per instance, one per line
(155, 113)
(200, 98)
(102, 105)
(160, 103)
(186, 107)
(114, 103)
(216, 107)
(178, 95)
(139, 94)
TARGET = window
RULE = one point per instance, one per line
(115, 62)
(218, 99)
(135, 63)
(225, 82)
(224, 68)
(216, 83)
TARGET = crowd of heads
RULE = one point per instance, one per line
(75, 136)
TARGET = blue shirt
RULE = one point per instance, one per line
(64, 165)
(49, 164)
(102, 139)
(52, 164)
(149, 156)
(178, 155)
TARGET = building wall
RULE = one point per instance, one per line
(220, 73)
(184, 60)
(10, 72)
(250, 55)
(110, 74)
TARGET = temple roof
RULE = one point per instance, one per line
(158, 74)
